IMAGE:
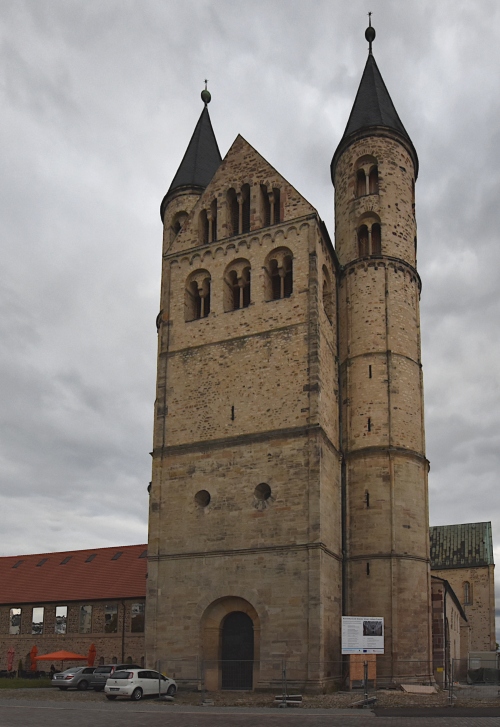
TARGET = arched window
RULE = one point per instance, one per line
(245, 208)
(327, 295)
(467, 594)
(197, 296)
(233, 209)
(366, 181)
(276, 204)
(370, 237)
(279, 268)
(178, 221)
(237, 285)
(363, 247)
(376, 240)
(373, 181)
(213, 210)
(360, 183)
(203, 227)
(265, 206)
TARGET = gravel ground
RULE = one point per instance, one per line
(480, 697)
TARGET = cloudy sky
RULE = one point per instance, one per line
(98, 101)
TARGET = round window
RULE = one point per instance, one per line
(262, 491)
(202, 498)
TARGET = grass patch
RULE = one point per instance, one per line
(18, 683)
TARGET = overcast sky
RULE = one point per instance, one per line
(98, 102)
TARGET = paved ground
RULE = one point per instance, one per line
(48, 713)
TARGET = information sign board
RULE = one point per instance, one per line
(362, 635)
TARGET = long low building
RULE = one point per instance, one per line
(71, 600)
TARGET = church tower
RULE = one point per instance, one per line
(289, 482)
(386, 528)
(245, 555)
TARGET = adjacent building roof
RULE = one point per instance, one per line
(201, 160)
(461, 546)
(373, 110)
(74, 575)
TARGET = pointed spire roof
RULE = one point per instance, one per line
(373, 111)
(201, 160)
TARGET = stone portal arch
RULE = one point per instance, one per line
(221, 622)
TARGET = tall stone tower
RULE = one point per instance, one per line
(386, 538)
(245, 557)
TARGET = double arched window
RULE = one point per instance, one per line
(366, 176)
(237, 285)
(197, 295)
(207, 224)
(369, 239)
(279, 278)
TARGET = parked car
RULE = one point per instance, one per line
(101, 674)
(138, 683)
(77, 678)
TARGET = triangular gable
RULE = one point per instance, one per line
(241, 165)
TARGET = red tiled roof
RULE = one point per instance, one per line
(74, 575)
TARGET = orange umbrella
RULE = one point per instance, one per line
(92, 655)
(33, 657)
(60, 656)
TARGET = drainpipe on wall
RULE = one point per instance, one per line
(123, 632)
(446, 664)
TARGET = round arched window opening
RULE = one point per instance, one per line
(263, 491)
(202, 498)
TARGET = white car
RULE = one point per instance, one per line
(138, 683)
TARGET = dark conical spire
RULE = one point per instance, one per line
(201, 160)
(373, 110)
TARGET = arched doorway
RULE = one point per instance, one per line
(237, 651)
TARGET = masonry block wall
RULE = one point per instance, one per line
(118, 646)
(478, 603)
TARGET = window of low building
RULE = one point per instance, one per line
(37, 620)
(85, 624)
(15, 621)
(110, 618)
(61, 619)
(137, 618)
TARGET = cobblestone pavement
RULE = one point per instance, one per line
(100, 713)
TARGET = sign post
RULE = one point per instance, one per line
(362, 639)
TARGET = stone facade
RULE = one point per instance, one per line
(450, 630)
(476, 590)
(247, 413)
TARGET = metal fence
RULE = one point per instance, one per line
(474, 680)
(291, 677)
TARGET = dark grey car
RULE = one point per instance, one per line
(77, 678)
(102, 673)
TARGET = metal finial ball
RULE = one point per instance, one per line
(370, 34)
(206, 96)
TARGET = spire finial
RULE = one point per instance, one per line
(370, 33)
(205, 94)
